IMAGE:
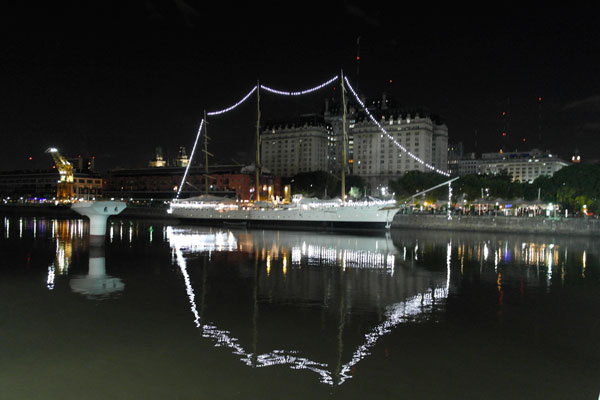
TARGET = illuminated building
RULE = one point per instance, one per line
(524, 166)
(378, 159)
(182, 159)
(43, 184)
(293, 147)
(158, 161)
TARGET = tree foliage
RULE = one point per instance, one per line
(322, 184)
(572, 187)
(414, 182)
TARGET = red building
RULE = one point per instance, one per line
(163, 183)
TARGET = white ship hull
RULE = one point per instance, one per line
(370, 216)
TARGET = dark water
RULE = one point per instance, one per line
(188, 312)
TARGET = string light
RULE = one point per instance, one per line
(449, 201)
(223, 111)
(307, 91)
(414, 157)
(299, 93)
(187, 168)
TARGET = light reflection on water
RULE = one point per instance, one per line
(363, 289)
(347, 252)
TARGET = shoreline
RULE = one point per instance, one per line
(578, 226)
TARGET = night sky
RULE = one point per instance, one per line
(117, 79)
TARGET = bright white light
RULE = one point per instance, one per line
(307, 91)
(50, 279)
(223, 111)
(187, 168)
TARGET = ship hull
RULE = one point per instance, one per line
(338, 218)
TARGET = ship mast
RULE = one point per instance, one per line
(257, 166)
(344, 139)
(206, 154)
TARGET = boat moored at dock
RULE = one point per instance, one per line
(304, 212)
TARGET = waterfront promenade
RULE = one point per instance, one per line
(585, 226)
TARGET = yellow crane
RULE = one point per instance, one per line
(64, 191)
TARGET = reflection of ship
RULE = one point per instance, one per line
(323, 279)
(293, 248)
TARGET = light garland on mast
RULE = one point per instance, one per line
(223, 111)
(187, 168)
(234, 106)
(307, 91)
(449, 201)
(414, 157)
(300, 93)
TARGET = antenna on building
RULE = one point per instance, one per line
(540, 143)
(505, 117)
(357, 63)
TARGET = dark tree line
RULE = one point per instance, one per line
(572, 187)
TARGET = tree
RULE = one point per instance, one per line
(311, 184)
(578, 185)
(322, 184)
(416, 181)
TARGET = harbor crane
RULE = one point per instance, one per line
(64, 190)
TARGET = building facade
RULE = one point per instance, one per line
(520, 166)
(43, 184)
(378, 159)
(163, 183)
(294, 147)
(468, 165)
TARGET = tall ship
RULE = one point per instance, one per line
(298, 212)
(303, 212)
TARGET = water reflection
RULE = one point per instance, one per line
(65, 234)
(96, 284)
(396, 300)
(539, 260)
(68, 240)
(320, 305)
